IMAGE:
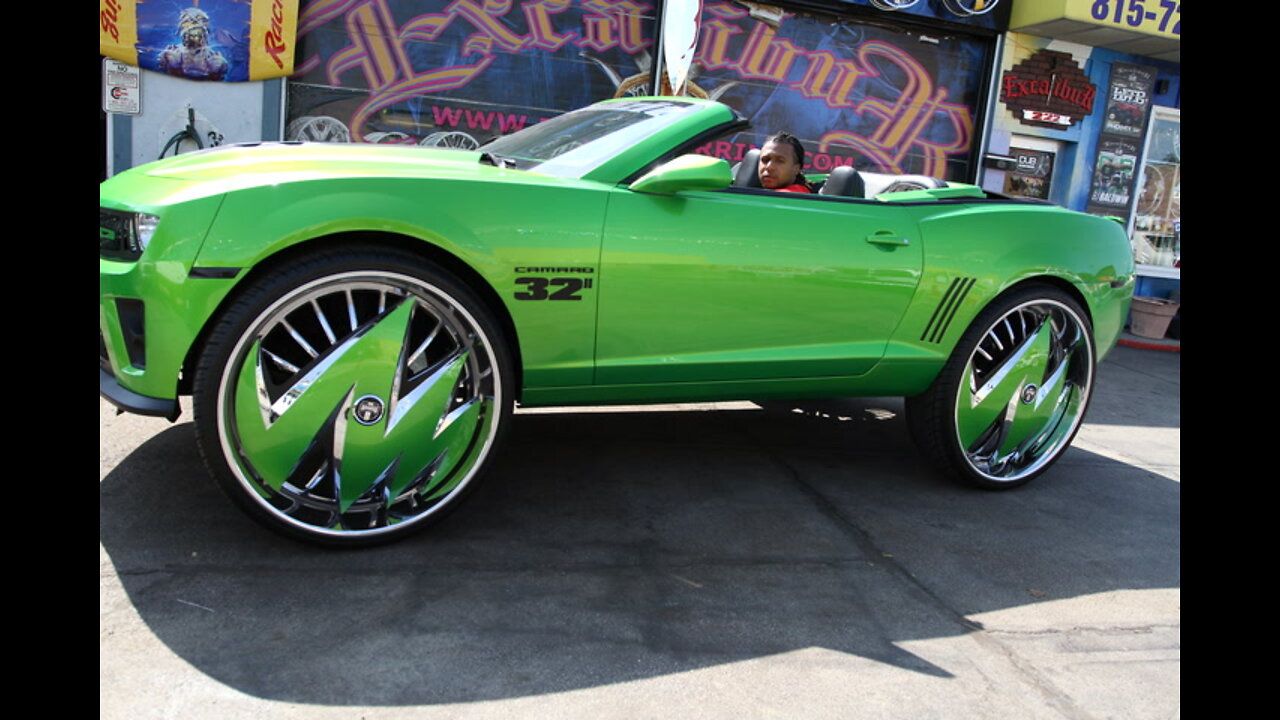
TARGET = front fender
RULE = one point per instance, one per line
(498, 230)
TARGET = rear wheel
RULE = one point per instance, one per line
(1013, 393)
(352, 398)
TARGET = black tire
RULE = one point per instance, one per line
(1015, 390)
(352, 397)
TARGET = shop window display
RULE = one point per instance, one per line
(1156, 238)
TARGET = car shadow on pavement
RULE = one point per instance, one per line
(614, 545)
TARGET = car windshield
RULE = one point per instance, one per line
(574, 144)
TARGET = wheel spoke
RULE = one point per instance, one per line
(281, 362)
(419, 351)
(351, 309)
(324, 322)
(297, 337)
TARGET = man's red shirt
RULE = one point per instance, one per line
(797, 188)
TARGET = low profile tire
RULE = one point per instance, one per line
(352, 397)
(1012, 395)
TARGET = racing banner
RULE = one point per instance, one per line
(215, 40)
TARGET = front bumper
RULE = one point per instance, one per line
(150, 316)
(113, 392)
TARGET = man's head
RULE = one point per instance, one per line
(781, 159)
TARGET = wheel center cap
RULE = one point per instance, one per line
(1029, 393)
(368, 410)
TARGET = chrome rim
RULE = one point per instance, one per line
(1024, 390)
(359, 403)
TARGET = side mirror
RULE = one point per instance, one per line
(687, 172)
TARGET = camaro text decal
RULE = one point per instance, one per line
(537, 287)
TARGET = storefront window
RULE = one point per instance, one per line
(881, 97)
(1157, 242)
(458, 74)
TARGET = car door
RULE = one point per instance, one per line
(740, 285)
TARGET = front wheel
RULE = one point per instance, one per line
(353, 397)
(1013, 393)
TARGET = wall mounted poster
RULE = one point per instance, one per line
(1120, 142)
(1032, 176)
(1129, 101)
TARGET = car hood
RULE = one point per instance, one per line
(230, 169)
(280, 161)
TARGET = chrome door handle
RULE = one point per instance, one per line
(885, 237)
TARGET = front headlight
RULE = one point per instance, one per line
(124, 235)
(144, 226)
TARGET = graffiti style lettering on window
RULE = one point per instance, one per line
(616, 23)
(542, 33)
(378, 46)
(918, 122)
(834, 80)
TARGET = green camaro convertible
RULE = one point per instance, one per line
(356, 322)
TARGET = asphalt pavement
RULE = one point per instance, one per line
(715, 560)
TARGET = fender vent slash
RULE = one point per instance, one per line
(131, 315)
(946, 310)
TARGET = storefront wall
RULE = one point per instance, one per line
(218, 113)
(1111, 159)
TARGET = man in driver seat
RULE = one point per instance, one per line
(781, 159)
